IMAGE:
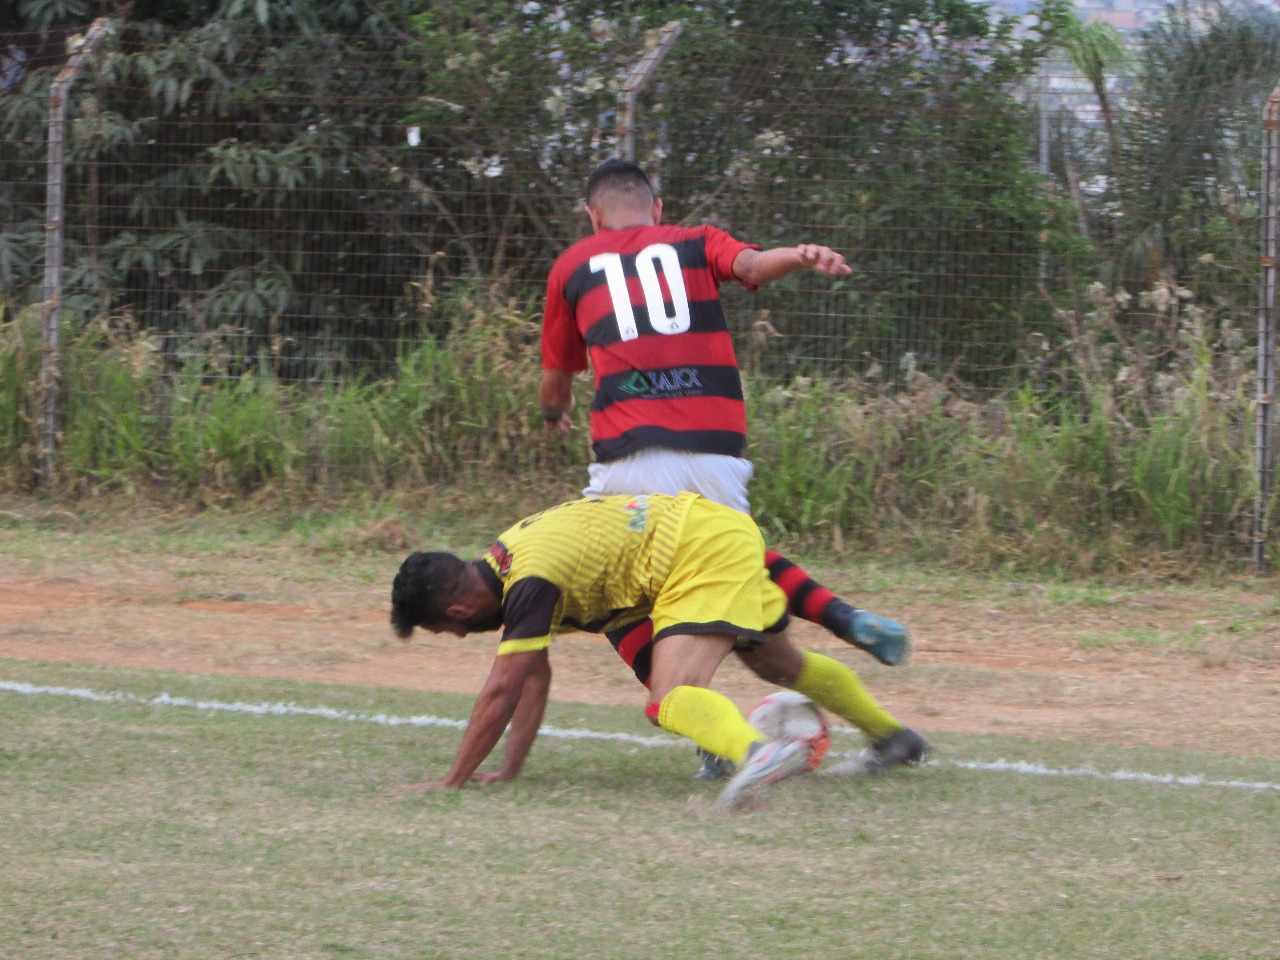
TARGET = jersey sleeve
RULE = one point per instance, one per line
(529, 615)
(563, 347)
(722, 249)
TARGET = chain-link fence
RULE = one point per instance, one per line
(1066, 221)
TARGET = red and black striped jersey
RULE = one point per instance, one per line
(644, 303)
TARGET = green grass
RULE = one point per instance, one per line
(143, 831)
(1085, 594)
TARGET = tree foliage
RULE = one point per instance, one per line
(224, 174)
(1175, 184)
(309, 184)
(1202, 79)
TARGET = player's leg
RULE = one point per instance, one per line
(832, 685)
(679, 701)
(884, 639)
(716, 583)
(724, 479)
(825, 681)
(634, 644)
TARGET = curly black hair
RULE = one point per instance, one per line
(425, 586)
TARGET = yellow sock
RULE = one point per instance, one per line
(710, 720)
(829, 683)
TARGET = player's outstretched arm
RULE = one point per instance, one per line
(525, 722)
(493, 710)
(758, 267)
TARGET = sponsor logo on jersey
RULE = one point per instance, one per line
(637, 511)
(501, 556)
(637, 384)
(676, 382)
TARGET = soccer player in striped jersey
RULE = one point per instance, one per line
(692, 567)
(640, 300)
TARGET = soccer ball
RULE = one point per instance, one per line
(793, 716)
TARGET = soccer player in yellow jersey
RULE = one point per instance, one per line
(691, 565)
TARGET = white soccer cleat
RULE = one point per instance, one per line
(766, 764)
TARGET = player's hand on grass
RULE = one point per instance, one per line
(478, 778)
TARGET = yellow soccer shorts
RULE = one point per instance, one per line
(718, 582)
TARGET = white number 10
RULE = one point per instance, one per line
(647, 262)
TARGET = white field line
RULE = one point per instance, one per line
(296, 710)
(1039, 770)
(425, 720)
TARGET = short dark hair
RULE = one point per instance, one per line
(621, 176)
(423, 590)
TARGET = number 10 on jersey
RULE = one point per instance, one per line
(655, 257)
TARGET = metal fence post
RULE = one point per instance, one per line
(50, 374)
(635, 82)
(1264, 414)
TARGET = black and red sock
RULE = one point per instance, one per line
(807, 598)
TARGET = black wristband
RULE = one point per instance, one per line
(551, 417)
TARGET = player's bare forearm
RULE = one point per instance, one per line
(526, 721)
(495, 705)
(759, 267)
(489, 719)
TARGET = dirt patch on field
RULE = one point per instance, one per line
(1199, 670)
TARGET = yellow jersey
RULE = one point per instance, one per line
(584, 565)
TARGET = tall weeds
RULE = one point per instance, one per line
(1115, 450)
(19, 370)
(1128, 443)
